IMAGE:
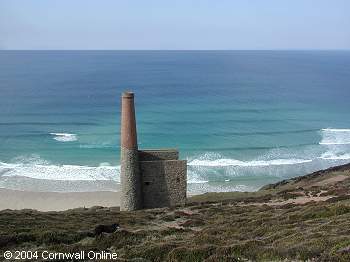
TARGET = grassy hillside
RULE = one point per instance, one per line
(298, 219)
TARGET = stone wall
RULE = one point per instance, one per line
(158, 154)
(164, 178)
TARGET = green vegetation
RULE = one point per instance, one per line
(300, 219)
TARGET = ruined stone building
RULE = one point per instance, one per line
(149, 178)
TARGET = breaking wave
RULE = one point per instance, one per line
(64, 137)
(332, 136)
(256, 163)
(337, 143)
(332, 156)
(207, 171)
(60, 172)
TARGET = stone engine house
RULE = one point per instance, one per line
(149, 178)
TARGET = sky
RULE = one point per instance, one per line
(174, 25)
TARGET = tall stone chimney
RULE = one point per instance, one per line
(149, 178)
(131, 198)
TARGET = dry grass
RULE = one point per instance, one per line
(212, 227)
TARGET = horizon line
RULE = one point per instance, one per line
(306, 49)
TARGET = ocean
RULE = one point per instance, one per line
(242, 119)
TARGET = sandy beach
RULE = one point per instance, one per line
(52, 201)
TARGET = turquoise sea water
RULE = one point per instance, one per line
(242, 119)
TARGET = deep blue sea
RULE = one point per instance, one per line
(242, 119)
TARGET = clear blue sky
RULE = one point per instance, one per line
(176, 24)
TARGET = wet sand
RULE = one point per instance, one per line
(51, 201)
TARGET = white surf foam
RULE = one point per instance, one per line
(190, 181)
(193, 180)
(61, 172)
(64, 137)
(333, 156)
(334, 143)
(333, 136)
(255, 163)
(335, 130)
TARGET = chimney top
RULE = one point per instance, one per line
(128, 94)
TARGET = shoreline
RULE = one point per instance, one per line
(44, 201)
(62, 201)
